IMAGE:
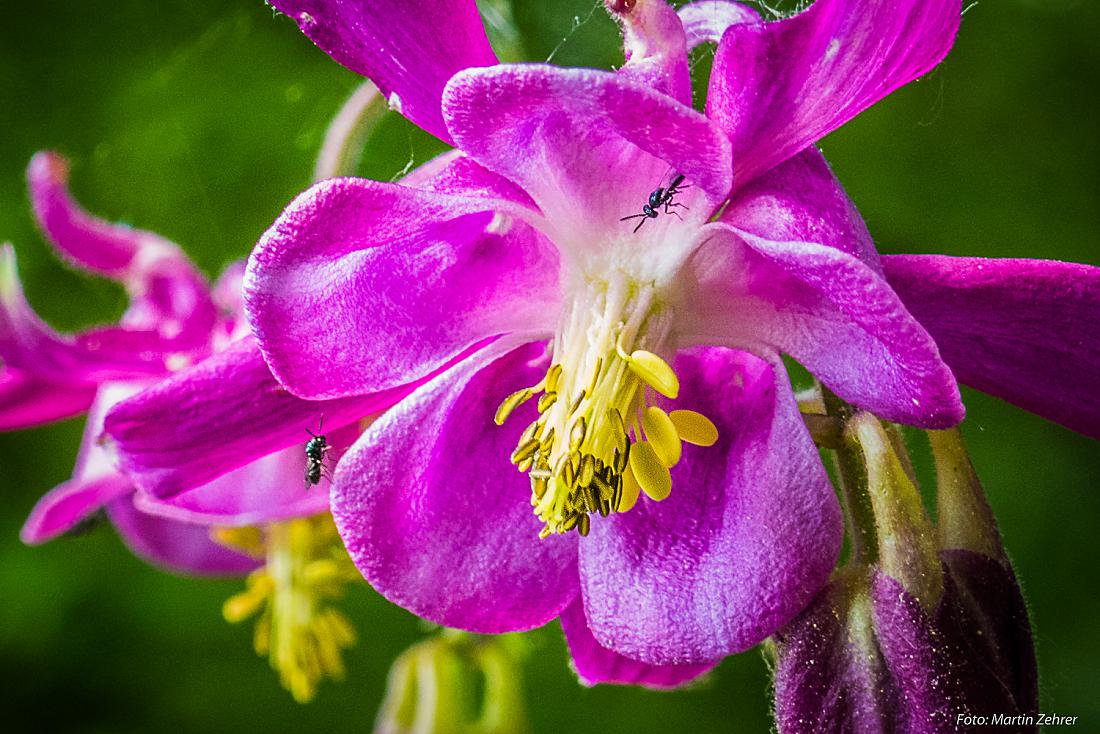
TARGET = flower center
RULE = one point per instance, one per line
(303, 636)
(598, 442)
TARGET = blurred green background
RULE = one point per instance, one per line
(199, 119)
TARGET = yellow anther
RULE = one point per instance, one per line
(588, 471)
(552, 376)
(662, 435)
(650, 472)
(546, 401)
(547, 441)
(243, 605)
(323, 572)
(582, 525)
(630, 491)
(578, 433)
(297, 631)
(249, 540)
(341, 628)
(655, 372)
(525, 451)
(694, 427)
(513, 401)
(618, 429)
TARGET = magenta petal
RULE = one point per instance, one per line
(706, 20)
(436, 517)
(175, 546)
(1023, 330)
(29, 344)
(170, 297)
(777, 87)
(596, 664)
(750, 533)
(655, 47)
(67, 504)
(829, 311)
(409, 48)
(217, 416)
(268, 489)
(27, 400)
(800, 200)
(363, 286)
(587, 145)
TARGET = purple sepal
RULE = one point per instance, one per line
(865, 657)
(1023, 330)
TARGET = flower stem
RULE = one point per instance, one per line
(348, 132)
(852, 482)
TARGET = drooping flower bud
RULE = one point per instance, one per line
(933, 635)
(455, 683)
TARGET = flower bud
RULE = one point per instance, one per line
(906, 541)
(454, 683)
(933, 636)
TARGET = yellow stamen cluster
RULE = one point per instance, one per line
(306, 567)
(597, 442)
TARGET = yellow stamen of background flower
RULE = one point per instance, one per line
(306, 567)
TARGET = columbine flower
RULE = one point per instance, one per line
(633, 340)
(517, 238)
(174, 321)
(50, 376)
(930, 633)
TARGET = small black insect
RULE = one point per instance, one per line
(317, 449)
(87, 524)
(658, 198)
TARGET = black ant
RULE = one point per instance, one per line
(317, 449)
(660, 197)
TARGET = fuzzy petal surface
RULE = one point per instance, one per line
(800, 200)
(705, 21)
(828, 310)
(596, 664)
(27, 400)
(1023, 330)
(409, 48)
(990, 621)
(588, 146)
(268, 489)
(220, 415)
(748, 536)
(175, 546)
(930, 661)
(830, 676)
(655, 47)
(363, 286)
(436, 517)
(776, 87)
(169, 297)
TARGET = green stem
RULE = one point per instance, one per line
(348, 132)
(859, 516)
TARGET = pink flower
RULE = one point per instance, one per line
(505, 269)
(173, 320)
(361, 287)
